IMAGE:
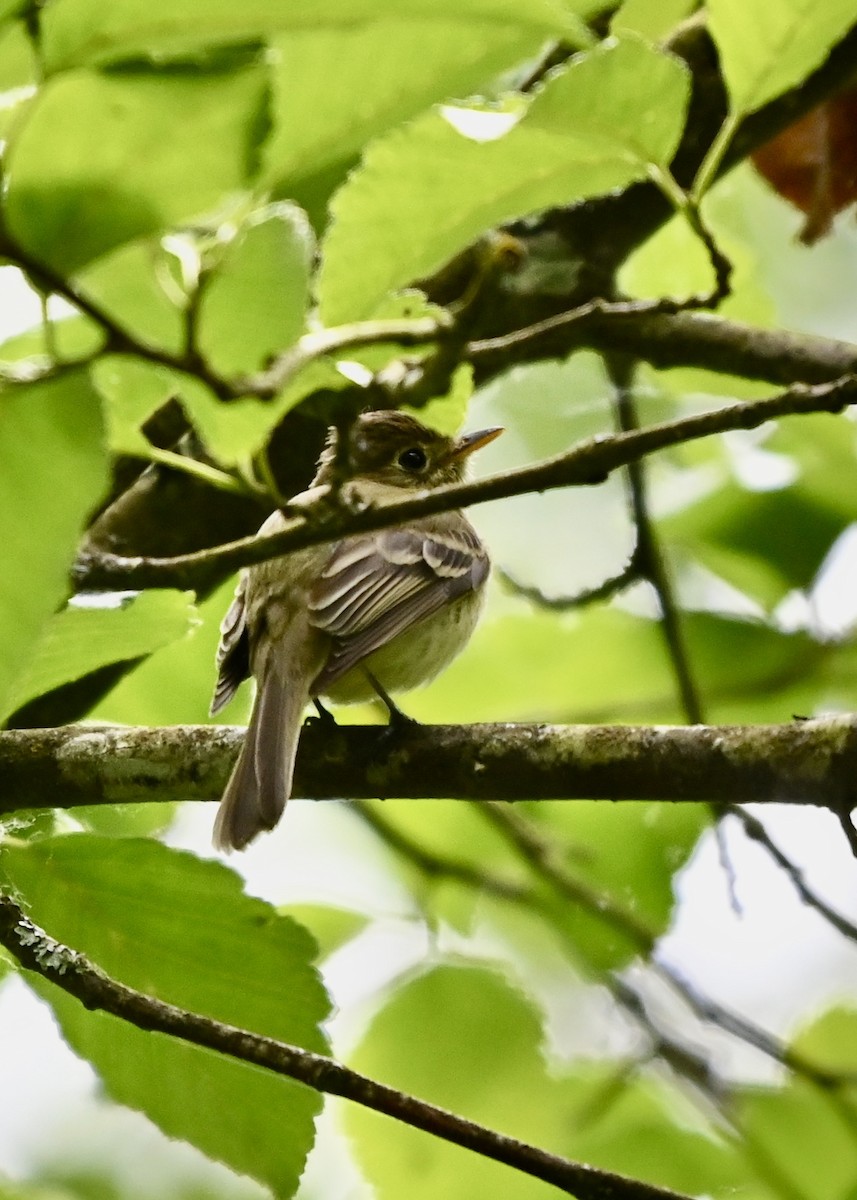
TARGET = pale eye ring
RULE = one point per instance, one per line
(412, 459)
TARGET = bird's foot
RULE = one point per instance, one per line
(398, 720)
(323, 715)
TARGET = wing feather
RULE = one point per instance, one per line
(233, 651)
(375, 587)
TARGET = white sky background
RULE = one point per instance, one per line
(777, 960)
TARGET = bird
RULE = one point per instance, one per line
(367, 615)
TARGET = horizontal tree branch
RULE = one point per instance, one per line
(75, 974)
(587, 463)
(803, 762)
(683, 339)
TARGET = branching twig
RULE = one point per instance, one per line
(415, 331)
(747, 1031)
(75, 974)
(756, 831)
(589, 462)
(438, 866)
(649, 556)
(543, 857)
(601, 591)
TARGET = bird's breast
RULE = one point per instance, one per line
(416, 656)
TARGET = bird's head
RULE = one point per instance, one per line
(395, 449)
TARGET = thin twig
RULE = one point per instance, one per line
(687, 1063)
(436, 866)
(747, 1031)
(649, 555)
(601, 591)
(545, 859)
(588, 462)
(414, 331)
(78, 976)
(755, 830)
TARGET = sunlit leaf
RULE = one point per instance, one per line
(416, 61)
(105, 155)
(485, 1061)
(652, 19)
(132, 391)
(58, 423)
(81, 639)
(182, 930)
(830, 1040)
(427, 191)
(79, 31)
(255, 303)
(131, 285)
(174, 684)
(797, 1127)
(767, 46)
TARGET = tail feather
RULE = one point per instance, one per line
(261, 779)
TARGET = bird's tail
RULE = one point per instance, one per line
(261, 779)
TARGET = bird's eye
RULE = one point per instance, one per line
(413, 459)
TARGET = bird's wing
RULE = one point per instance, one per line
(376, 586)
(233, 651)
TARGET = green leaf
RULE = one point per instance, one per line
(28, 1191)
(606, 665)
(132, 390)
(804, 1133)
(629, 854)
(174, 685)
(57, 423)
(427, 191)
(438, 1038)
(80, 31)
(233, 432)
(131, 286)
(182, 930)
(125, 820)
(640, 1127)
(768, 46)
(786, 534)
(416, 61)
(830, 1040)
(463, 1038)
(79, 640)
(255, 302)
(824, 448)
(73, 338)
(331, 927)
(10, 8)
(106, 156)
(651, 19)
(546, 540)
(447, 413)
(17, 73)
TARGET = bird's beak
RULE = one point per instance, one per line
(468, 442)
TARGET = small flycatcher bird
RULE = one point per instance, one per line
(374, 613)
